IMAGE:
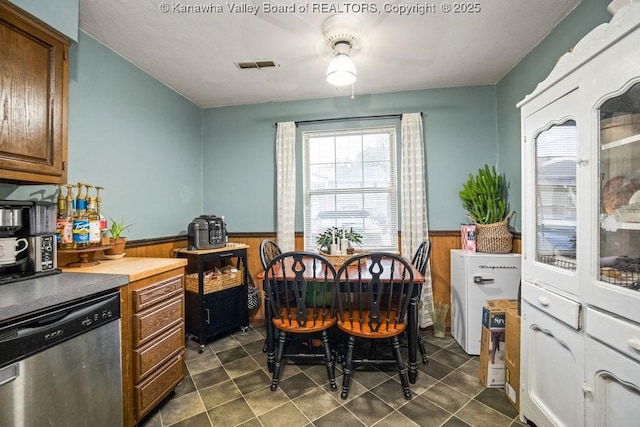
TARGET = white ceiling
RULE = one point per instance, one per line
(194, 53)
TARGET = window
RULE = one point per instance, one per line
(350, 182)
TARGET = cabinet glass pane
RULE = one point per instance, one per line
(619, 250)
(556, 195)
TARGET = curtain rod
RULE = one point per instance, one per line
(344, 119)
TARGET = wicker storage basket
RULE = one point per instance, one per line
(214, 282)
(338, 260)
(494, 238)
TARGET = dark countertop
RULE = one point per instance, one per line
(19, 298)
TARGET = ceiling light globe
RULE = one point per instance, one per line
(341, 70)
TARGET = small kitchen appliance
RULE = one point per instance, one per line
(34, 221)
(206, 232)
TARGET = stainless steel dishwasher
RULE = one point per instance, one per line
(62, 367)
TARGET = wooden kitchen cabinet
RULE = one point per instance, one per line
(156, 340)
(33, 99)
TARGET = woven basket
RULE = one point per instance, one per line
(494, 238)
(338, 260)
(214, 282)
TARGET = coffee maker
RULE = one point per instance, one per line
(31, 224)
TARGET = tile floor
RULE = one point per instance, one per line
(228, 385)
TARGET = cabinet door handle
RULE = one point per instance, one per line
(208, 318)
(634, 343)
(544, 301)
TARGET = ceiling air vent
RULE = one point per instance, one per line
(256, 64)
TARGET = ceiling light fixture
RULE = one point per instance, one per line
(341, 70)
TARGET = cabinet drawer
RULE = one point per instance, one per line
(146, 297)
(614, 331)
(563, 309)
(151, 391)
(156, 320)
(149, 357)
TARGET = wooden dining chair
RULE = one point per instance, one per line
(268, 251)
(300, 289)
(420, 261)
(374, 291)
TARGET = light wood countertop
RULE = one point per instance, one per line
(135, 267)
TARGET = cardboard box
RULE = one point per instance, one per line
(492, 345)
(512, 357)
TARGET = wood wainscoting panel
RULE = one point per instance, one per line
(442, 241)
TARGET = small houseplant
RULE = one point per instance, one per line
(325, 239)
(484, 197)
(117, 241)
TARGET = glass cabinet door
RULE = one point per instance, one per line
(619, 190)
(556, 228)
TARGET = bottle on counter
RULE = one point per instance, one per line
(94, 223)
(61, 216)
(104, 234)
(81, 221)
(66, 232)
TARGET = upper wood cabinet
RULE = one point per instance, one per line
(33, 99)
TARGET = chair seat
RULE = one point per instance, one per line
(364, 330)
(289, 323)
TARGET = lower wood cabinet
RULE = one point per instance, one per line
(153, 341)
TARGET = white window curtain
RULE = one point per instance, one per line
(286, 185)
(414, 204)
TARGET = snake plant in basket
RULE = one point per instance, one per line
(325, 239)
(483, 196)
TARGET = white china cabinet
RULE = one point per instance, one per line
(580, 346)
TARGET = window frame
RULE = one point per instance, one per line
(392, 189)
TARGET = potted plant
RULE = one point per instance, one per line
(484, 197)
(334, 234)
(116, 240)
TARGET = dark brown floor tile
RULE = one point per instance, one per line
(495, 398)
(248, 337)
(219, 394)
(264, 400)
(317, 403)
(435, 369)
(243, 366)
(297, 385)
(252, 381)
(200, 420)
(464, 383)
(231, 414)
(338, 417)
(471, 367)
(185, 387)
(231, 354)
(449, 358)
(287, 414)
(253, 422)
(180, 408)
(203, 363)
(222, 344)
(455, 422)
(478, 415)
(210, 377)
(254, 347)
(391, 393)
(424, 413)
(396, 419)
(446, 397)
(369, 408)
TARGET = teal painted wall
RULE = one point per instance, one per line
(523, 79)
(60, 14)
(134, 136)
(239, 149)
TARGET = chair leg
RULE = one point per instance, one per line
(423, 351)
(278, 361)
(331, 372)
(404, 379)
(347, 366)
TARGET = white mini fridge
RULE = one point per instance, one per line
(475, 278)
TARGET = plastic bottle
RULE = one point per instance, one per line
(104, 233)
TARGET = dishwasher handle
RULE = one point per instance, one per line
(479, 280)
